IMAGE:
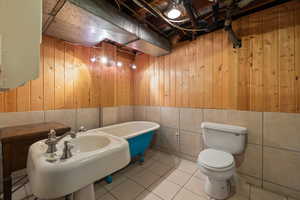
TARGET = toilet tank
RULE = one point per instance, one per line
(224, 137)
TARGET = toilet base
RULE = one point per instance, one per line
(217, 189)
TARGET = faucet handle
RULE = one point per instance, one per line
(82, 129)
(68, 144)
(51, 141)
(73, 134)
(51, 137)
(52, 134)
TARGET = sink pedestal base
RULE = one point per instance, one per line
(86, 193)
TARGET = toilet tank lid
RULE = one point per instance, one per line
(224, 127)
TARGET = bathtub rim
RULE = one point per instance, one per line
(156, 126)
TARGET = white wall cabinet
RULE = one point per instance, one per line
(20, 38)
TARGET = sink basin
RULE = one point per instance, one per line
(90, 143)
(95, 156)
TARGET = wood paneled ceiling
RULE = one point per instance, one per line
(200, 7)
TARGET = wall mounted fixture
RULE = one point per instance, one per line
(119, 64)
(94, 59)
(133, 66)
(104, 60)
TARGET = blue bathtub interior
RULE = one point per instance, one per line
(137, 146)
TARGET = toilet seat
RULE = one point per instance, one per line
(216, 160)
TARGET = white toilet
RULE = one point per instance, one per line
(217, 161)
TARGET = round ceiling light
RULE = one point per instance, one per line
(173, 13)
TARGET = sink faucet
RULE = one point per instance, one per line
(53, 140)
(67, 151)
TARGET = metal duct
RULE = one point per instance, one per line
(89, 22)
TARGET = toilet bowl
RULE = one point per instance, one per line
(219, 167)
(217, 162)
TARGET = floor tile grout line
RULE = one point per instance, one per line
(112, 195)
(160, 177)
(174, 167)
(144, 186)
(187, 183)
(179, 184)
(144, 189)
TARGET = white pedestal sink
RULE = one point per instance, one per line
(95, 156)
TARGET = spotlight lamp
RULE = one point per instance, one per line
(119, 64)
(173, 12)
(133, 66)
(104, 60)
(93, 59)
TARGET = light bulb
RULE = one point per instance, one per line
(173, 13)
(133, 66)
(93, 59)
(119, 64)
(104, 60)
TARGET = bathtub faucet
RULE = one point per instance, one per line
(53, 140)
(82, 129)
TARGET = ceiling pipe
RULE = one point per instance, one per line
(215, 9)
(190, 11)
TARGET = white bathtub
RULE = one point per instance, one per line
(139, 135)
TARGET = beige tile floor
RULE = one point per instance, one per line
(161, 177)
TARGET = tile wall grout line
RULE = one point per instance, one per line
(100, 117)
(282, 149)
(262, 150)
(178, 137)
(44, 111)
(76, 119)
(250, 189)
(282, 186)
(251, 176)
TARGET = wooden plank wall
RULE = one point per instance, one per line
(68, 79)
(208, 73)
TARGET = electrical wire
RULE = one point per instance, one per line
(158, 12)
(144, 20)
(141, 5)
(118, 4)
(179, 20)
